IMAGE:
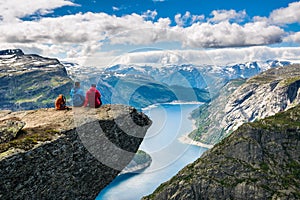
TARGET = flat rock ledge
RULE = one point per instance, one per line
(69, 154)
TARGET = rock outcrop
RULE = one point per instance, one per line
(140, 162)
(264, 95)
(260, 160)
(30, 81)
(69, 154)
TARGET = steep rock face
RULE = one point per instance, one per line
(30, 81)
(209, 116)
(261, 96)
(68, 154)
(260, 160)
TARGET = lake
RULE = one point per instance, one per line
(169, 155)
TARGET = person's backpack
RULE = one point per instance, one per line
(77, 99)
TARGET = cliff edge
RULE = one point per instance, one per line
(49, 154)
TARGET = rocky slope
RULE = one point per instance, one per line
(209, 116)
(260, 160)
(263, 95)
(30, 81)
(48, 154)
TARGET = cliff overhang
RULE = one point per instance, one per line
(67, 154)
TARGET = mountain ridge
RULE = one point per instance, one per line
(30, 81)
(263, 95)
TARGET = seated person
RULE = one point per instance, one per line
(60, 103)
(93, 97)
(77, 95)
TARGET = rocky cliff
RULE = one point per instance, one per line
(261, 96)
(48, 154)
(209, 116)
(30, 81)
(260, 160)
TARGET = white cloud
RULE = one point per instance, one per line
(288, 15)
(227, 15)
(149, 14)
(115, 8)
(221, 57)
(187, 19)
(87, 29)
(13, 9)
(81, 35)
(225, 34)
(293, 37)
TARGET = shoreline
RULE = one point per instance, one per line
(187, 140)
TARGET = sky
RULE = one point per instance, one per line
(158, 32)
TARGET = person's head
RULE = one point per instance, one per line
(77, 84)
(93, 85)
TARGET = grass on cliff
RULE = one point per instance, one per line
(281, 121)
(27, 141)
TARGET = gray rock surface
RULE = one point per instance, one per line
(69, 154)
(9, 128)
(264, 95)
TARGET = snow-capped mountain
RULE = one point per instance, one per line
(126, 83)
(192, 76)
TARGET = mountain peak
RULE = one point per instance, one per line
(17, 52)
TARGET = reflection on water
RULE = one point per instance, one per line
(170, 121)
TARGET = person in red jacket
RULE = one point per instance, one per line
(93, 97)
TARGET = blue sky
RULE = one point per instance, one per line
(169, 8)
(125, 31)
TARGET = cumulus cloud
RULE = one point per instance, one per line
(225, 34)
(134, 29)
(227, 15)
(187, 19)
(286, 15)
(81, 35)
(13, 9)
(294, 37)
(149, 14)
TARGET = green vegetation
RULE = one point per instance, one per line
(261, 156)
(27, 141)
(209, 115)
(58, 81)
(289, 81)
(141, 157)
(284, 121)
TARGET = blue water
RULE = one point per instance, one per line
(169, 155)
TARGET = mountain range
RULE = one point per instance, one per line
(250, 113)
(141, 86)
